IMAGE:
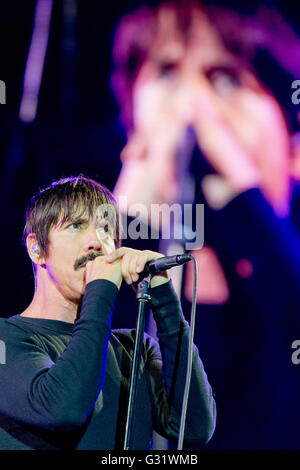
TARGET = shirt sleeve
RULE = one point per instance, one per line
(59, 396)
(168, 368)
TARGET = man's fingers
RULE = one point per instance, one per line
(125, 268)
(132, 268)
(116, 254)
(133, 261)
(140, 264)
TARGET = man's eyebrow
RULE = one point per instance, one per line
(74, 219)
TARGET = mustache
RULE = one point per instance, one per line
(81, 262)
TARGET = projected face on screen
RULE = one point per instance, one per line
(189, 78)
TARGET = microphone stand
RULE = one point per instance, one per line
(142, 297)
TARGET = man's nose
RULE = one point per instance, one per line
(200, 95)
(92, 241)
(193, 87)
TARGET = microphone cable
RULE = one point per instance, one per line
(190, 360)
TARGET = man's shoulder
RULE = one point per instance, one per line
(13, 327)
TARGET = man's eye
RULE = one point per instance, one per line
(75, 225)
(167, 69)
(223, 79)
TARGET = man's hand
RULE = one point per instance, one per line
(123, 263)
(132, 263)
(245, 139)
(100, 269)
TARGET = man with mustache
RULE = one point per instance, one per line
(65, 382)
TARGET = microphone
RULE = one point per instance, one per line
(163, 263)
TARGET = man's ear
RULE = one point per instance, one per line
(33, 249)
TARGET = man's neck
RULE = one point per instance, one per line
(52, 306)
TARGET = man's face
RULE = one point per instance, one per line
(71, 246)
(200, 83)
(178, 70)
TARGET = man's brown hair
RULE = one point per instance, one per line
(75, 196)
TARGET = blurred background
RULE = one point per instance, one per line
(61, 118)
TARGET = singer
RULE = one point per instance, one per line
(65, 381)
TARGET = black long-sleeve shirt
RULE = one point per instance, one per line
(65, 386)
(246, 344)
